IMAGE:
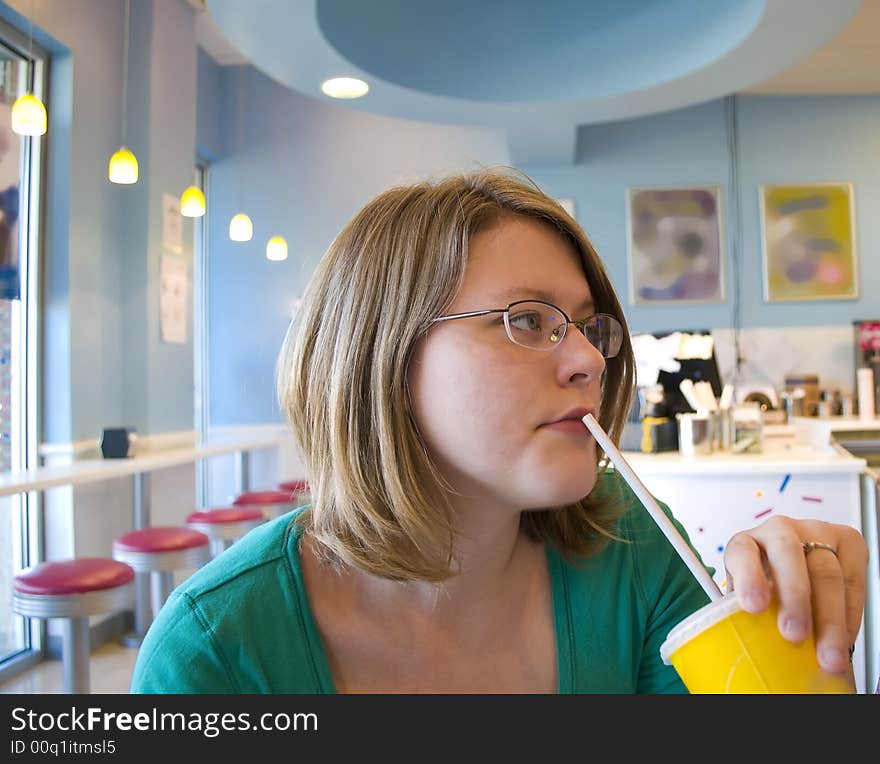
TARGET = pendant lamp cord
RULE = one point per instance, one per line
(240, 131)
(30, 63)
(125, 73)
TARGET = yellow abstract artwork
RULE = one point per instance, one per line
(809, 245)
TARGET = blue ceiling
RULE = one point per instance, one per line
(539, 68)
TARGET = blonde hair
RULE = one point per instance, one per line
(379, 502)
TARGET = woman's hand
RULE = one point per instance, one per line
(819, 591)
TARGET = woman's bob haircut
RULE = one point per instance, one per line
(379, 502)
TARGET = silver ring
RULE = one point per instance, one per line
(809, 546)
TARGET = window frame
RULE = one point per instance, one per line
(27, 509)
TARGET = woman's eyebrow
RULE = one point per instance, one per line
(525, 293)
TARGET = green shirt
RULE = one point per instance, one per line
(243, 624)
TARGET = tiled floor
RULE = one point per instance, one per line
(110, 672)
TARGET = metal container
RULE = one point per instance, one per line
(695, 433)
(722, 429)
(748, 430)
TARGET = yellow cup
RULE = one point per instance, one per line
(722, 649)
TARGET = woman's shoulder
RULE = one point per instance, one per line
(257, 555)
(220, 629)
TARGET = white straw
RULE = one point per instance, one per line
(669, 530)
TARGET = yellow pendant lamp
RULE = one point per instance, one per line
(192, 203)
(28, 115)
(123, 167)
(276, 248)
(123, 164)
(241, 228)
(28, 111)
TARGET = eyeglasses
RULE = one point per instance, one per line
(540, 325)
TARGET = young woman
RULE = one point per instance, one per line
(462, 535)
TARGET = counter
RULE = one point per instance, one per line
(98, 470)
(790, 457)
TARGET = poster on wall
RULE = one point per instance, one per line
(172, 224)
(674, 245)
(808, 241)
(172, 299)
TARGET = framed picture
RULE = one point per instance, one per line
(675, 245)
(809, 243)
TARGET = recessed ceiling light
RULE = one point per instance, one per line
(344, 87)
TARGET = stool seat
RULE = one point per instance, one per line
(271, 503)
(159, 539)
(87, 574)
(225, 515)
(73, 590)
(226, 525)
(158, 551)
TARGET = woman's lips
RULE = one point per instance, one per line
(568, 425)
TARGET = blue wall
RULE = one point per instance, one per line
(209, 112)
(301, 168)
(781, 140)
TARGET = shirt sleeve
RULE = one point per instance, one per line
(671, 593)
(178, 654)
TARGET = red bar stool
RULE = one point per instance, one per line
(160, 551)
(225, 526)
(73, 590)
(271, 503)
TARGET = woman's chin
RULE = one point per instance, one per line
(565, 491)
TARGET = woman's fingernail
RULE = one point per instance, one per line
(794, 628)
(755, 601)
(832, 656)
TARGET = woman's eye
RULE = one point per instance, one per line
(530, 322)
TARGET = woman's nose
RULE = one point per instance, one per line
(580, 352)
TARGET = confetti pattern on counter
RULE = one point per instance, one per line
(765, 512)
(784, 482)
(812, 498)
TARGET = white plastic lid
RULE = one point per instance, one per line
(697, 622)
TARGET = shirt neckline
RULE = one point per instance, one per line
(562, 626)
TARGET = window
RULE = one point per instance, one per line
(22, 67)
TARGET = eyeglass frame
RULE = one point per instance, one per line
(579, 324)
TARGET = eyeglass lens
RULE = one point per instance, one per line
(539, 326)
